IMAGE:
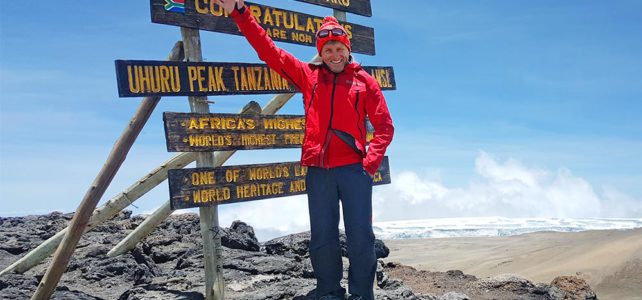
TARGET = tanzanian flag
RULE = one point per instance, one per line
(175, 6)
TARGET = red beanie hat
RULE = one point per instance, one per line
(330, 23)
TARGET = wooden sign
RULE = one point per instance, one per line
(280, 24)
(138, 78)
(191, 132)
(359, 7)
(231, 184)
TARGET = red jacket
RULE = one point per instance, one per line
(336, 105)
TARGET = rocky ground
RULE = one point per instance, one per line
(169, 265)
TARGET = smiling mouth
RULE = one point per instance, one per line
(336, 61)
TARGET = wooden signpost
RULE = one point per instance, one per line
(211, 186)
(162, 78)
(280, 24)
(190, 132)
(359, 7)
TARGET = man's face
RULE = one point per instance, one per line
(335, 55)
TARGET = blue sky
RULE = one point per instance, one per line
(545, 90)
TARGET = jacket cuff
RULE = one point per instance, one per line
(370, 167)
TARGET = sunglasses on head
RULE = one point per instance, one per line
(326, 32)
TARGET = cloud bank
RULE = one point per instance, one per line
(506, 189)
(497, 188)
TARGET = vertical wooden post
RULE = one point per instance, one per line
(210, 231)
(96, 190)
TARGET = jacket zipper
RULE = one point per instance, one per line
(305, 136)
(311, 98)
(328, 133)
(356, 108)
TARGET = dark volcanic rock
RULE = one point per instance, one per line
(15, 286)
(169, 264)
(240, 236)
(155, 291)
(381, 250)
(298, 244)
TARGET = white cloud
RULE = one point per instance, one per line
(499, 188)
(507, 189)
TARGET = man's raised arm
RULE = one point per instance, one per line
(276, 58)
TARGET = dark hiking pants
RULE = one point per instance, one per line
(353, 186)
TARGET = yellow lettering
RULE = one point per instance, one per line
(131, 80)
(220, 84)
(201, 78)
(145, 80)
(200, 9)
(277, 80)
(211, 195)
(175, 80)
(377, 177)
(251, 80)
(267, 18)
(244, 85)
(318, 22)
(215, 9)
(310, 26)
(203, 178)
(164, 78)
(259, 75)
(256, 12)
(253, 190)
(191, 76)
(348, 30)
(211, 80)
(297, 26)
(293, 139)
(297, 186)
(300, 170)
(278, 15)
(290, 24)
(258, 139)
(266, 79)
(235, 69)
(301, 37)
(193, 124)
(232, 175)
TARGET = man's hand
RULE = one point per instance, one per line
(228, 5)
(368, 173)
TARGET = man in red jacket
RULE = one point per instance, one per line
(337, 96)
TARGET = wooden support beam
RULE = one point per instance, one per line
(144, 229)
(103, 213)
(96, 190)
